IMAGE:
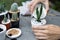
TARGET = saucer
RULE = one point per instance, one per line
(14, 36)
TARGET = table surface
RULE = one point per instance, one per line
(52, 17)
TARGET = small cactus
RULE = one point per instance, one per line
(2, 8)
(14, 7)
(39, 13)
(5, 18)
(14, 16)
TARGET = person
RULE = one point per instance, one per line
(48, 32)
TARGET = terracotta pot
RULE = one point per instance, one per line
(7, 24)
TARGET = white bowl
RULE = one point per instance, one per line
(2, 33)
(14, 36)
(3, 27)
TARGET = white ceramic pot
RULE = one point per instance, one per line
(2, 33)
(3, 13)
(43, 12)
(35, 23)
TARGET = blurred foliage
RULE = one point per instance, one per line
(9, 2)
(56, 4)
(2, 8)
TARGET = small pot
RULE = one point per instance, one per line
(7, 24)
(2, 33)
(35, 23)
(14, 23)
(10, 13)
(2, 15)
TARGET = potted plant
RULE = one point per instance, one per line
(38, 21)
(2, 32)
(2, 12)
(43, 15)
(14, 15)
(6, 22)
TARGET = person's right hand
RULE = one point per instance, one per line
(49, 32)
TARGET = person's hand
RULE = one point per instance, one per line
(35, 2)
(47, 32)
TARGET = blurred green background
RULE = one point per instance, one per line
(9, 2)
(55, 4)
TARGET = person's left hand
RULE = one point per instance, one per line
(47, 32)
(35, 2)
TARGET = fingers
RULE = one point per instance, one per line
(46, 32)
(32, 5)
(41, 31)
(54, 37)
(41, 36)
(40, 27)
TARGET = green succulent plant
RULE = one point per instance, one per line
(2, 8)
(39, 13)
(5, 18)
(14, 7)
(14, 16)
